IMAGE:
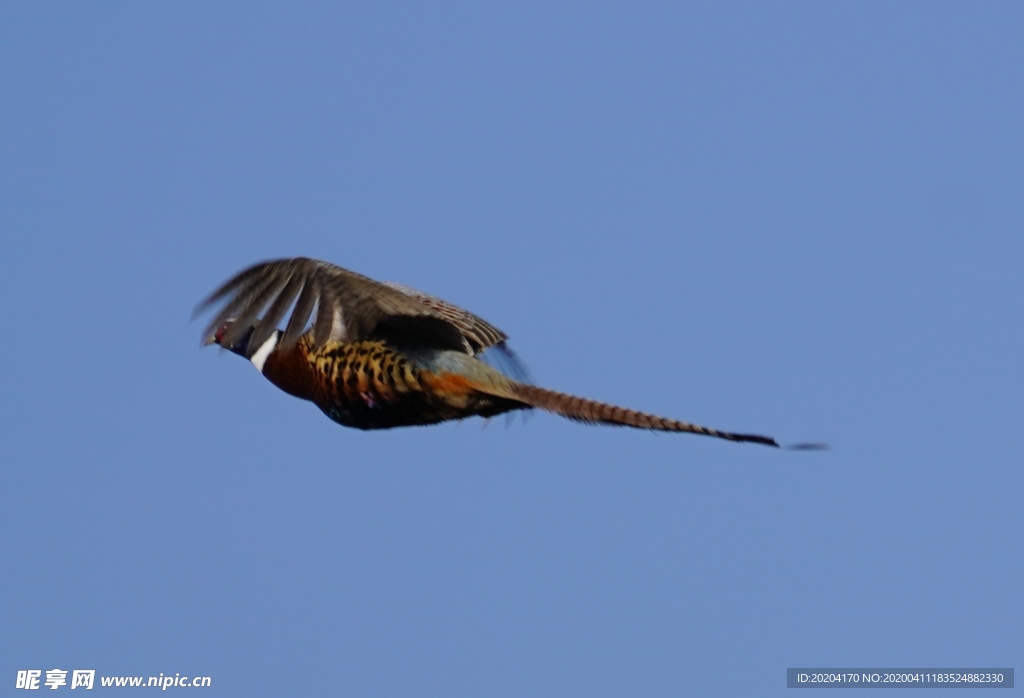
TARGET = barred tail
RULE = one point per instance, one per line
(582, 410)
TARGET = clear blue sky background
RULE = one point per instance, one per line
(801, 219)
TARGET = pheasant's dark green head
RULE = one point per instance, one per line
(228, 337)
(239, 341)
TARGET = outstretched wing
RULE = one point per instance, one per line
(344, 306)
(479, 333)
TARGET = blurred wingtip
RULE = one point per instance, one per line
(808, 447)
(502, 358)
(197, 310)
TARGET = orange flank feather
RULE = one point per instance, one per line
(449, 383)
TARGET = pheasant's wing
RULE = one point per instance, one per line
(479, 334)
(345, 306)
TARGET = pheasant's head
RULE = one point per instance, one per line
(237, 342)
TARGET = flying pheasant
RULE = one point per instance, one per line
(381, 355)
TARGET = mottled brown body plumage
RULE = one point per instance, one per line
(370, 384)
(378, 355)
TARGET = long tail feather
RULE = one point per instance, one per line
(583, 410)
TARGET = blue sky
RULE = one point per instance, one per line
(800, 219)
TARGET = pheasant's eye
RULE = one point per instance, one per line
(221, 331)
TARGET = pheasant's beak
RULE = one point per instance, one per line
(212, 339)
